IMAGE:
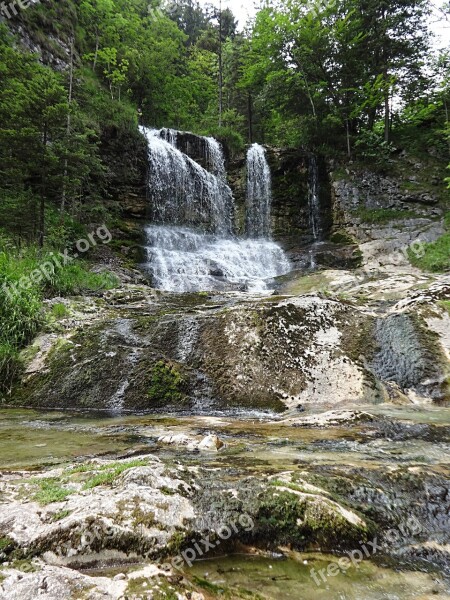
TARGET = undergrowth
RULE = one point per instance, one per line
(28, 276)
(436, 255)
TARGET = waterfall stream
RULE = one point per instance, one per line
(259, 193)
(191, 245)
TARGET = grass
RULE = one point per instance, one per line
(50, 491)
(61, 514)
(108, 473)
(60, 311)
(382, 215)
(445, 304)
(436, 257)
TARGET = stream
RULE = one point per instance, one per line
(255, 446)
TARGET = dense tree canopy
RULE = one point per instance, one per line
(346, 77)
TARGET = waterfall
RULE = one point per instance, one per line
(182, 192)
(315, 220)
(170, 135)
(183, 260)
(215, 158)
(259, 193)
(191, 244)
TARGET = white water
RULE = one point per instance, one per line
(191, 246)
(215, 158)
(182, 260)
(314, 200)
(170, 135)
(259, 193)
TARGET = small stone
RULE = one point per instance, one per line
(211, 442)
(120, 577)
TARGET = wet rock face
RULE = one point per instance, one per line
(375, 190)
(409, 355)
(286, 354)
(194, 353)
(259, 355)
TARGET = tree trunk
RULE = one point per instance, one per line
(349, 147)
(387, 111)
(97, 43)
(66, 160)
(43, 190)
(220, 67)
(250, 119)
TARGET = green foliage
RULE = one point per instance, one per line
(371, 146)
(23, 286)
(75, 279)
(166, 383)
(232, 139)
(59, 311)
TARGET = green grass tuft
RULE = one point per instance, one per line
(50, 491)
(108, 473)
(60, 311)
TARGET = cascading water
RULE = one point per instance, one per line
(170, 135)
(259, 194)
(314, 200)
(215, 159)
(191, 245)
(182, 192)
(183, 260)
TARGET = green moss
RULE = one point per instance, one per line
(287, 518)
(24, 565)
(342, 237)
(6, 543)
(167, 491)
(175, 544)
(445, 304)
(208, 586)
(166, 383)
(289, 484)
(62, 514)
(143, 519)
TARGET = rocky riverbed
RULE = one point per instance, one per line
(129, 524)
(228, 445)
